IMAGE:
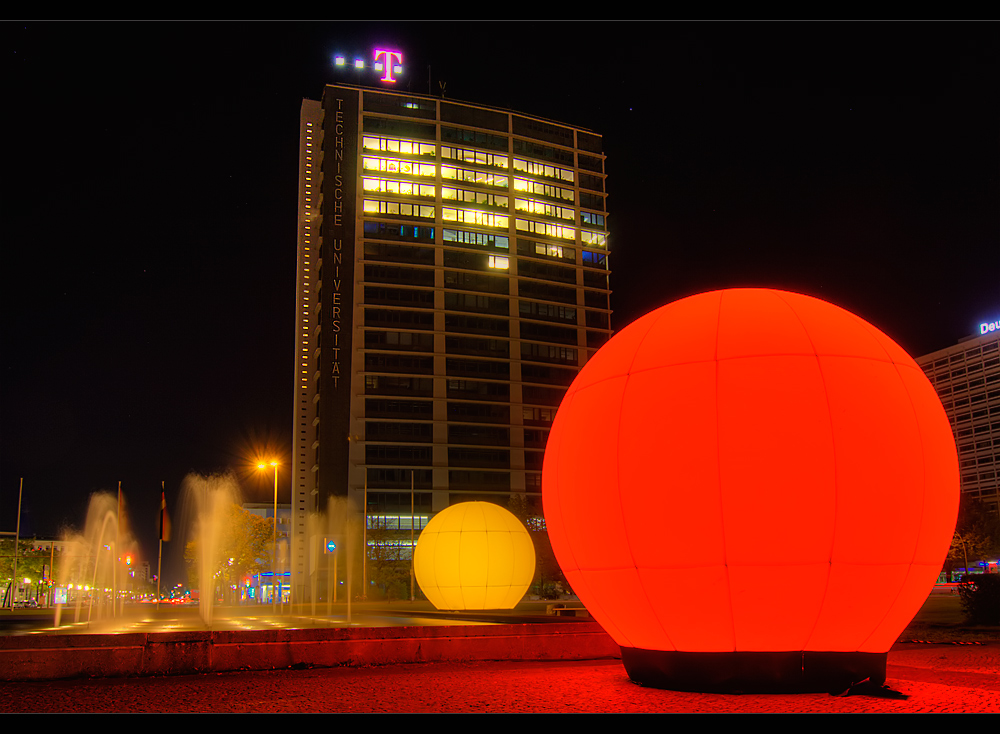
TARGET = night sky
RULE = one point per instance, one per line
(149, 215)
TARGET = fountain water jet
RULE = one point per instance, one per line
(93, 561)
(208, 503)
(338, 524)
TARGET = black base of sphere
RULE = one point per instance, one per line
(753, 672)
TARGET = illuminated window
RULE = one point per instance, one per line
(393, 165)
(541, 169)
(474, 197)
(483, 178)
(475, 156)
(406, 188)
(498, 262)
(374, 206)
(548, 250)
(541, 207)
(595, 239)
(474, 216)
(543, 189)
(397, 145)
(553, 230)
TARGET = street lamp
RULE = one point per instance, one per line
(274, 542)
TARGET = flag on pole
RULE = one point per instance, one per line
(164, 518)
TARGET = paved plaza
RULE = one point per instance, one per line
(935, 677)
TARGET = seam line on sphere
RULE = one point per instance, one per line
(618, 480)
(833, 449)
(923, 505)
(718, 480)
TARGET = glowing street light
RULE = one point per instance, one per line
(274, 542)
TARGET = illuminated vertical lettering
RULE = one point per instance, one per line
(338, 146)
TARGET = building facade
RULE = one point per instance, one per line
(967, 379)
(452, 280)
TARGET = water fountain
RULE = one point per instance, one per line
(94, 568)
(207, 507)
(339, 525)
(223, 545)
(91, 568)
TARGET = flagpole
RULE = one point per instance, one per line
(412, 554)
(116, 558)
(159, 555)
(13, 586)
(364, 546)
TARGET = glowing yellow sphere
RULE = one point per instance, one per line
(474, 555)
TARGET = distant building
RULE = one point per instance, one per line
(967, 379)
(260, 588)
(266, 511)
(452, 281)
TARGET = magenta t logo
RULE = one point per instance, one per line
(389, 56)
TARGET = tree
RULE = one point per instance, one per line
(29, 563)
(981, 599)
(977, 534)
(550, 581)
(387, 567)
(244, 547)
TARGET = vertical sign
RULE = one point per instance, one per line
(340, 158)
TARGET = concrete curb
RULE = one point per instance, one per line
(51, 657)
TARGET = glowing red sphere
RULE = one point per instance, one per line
(751, 470)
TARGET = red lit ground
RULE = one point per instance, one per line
(936, 677)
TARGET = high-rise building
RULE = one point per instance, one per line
(452, 280)
(967, 379)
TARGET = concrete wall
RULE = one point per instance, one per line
(43, 657)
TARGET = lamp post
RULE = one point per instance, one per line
(274, 542)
